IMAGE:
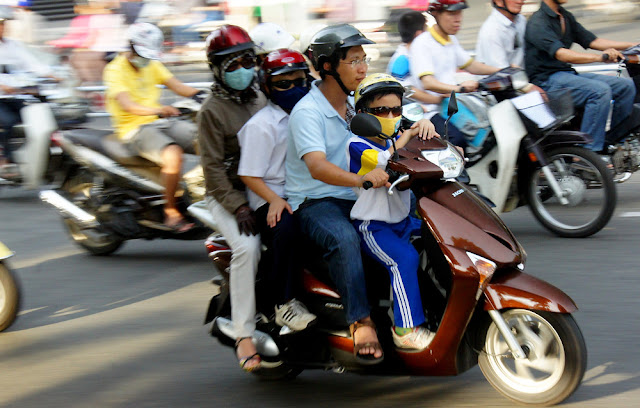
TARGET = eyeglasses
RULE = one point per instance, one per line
(384, 110)
(288, 83)
(244, 62)
(357, 62)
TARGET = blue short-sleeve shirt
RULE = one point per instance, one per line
(315, 126)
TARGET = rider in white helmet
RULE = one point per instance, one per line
(269, 37)
(133, 101)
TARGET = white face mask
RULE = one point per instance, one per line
(139, 62)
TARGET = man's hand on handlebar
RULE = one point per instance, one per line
(167, 111)
(612, 55)
(376, 177)
(468, 86)
(7, 89)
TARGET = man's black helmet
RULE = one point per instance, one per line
(326, 42)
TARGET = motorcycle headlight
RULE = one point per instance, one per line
(449, 160)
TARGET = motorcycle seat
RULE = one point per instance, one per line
(107, 143)
(625, 127)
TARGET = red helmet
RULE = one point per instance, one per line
(280, 62)
(227, 39)
(447, 5)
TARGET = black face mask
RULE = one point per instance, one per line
(288, 99)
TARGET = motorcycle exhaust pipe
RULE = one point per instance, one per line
(68, 208)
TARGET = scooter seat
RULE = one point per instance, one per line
(107, 143)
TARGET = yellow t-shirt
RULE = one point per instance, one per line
(119, 76)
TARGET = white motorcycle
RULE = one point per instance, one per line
(526, 160)
(47, 108)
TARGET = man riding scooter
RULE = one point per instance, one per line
(14, 59)
(548, 57)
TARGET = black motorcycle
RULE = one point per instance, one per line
(109, 194)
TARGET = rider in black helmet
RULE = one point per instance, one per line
(318, 183)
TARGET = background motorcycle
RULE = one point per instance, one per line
(566, 186)
(48, 107)
(484, 309)
(109, 194)
(9, 294)
(623, 142)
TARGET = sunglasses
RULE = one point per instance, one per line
(288, 83)
(384, 110)
(244, 62)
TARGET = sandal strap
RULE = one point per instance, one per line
(358, 324)
(239, 340)
(244, 360)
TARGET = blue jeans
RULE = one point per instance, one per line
(594, 93)
(9, 117)
(327, 223)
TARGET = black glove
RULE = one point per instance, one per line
(246, 220)
(200, 96)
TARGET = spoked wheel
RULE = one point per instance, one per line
(92, 240)
(9, 297)
(587, 185)
(556, 357)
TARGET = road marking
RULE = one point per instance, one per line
(24, 312)
(27, 263)
(68, 311)
(631, 214)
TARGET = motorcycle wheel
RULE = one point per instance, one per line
(9, 297)
(556, 357)
(588, 186)
(95, 242)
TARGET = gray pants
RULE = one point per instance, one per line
(151, 139)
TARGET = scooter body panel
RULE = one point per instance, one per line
(509, 132)
(33, 156)
(515, 289)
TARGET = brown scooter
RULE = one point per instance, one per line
(484, 309)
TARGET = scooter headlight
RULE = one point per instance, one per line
(449, 160)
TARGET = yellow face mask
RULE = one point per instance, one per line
(389, 125)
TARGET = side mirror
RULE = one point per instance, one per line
(452, 109)
(366, 125)
(413, 112)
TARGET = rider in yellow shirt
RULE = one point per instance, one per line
(133, 101)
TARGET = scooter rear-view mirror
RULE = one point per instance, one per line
(366, 125)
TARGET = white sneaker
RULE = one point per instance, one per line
(418, 339)
(294, 315)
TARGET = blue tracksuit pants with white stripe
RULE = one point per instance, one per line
(389, 244)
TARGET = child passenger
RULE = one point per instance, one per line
(263, 142)
(382, 220)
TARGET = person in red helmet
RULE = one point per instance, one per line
(234, 99)
(436, 54)
(263, 145)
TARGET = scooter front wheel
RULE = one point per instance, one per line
(96, 243)
(9, 297)
(586, 186)
(556, 357)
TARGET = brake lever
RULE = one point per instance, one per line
(400, 179)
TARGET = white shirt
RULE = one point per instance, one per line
(497, 42)
(14, 57)
(375, 204)
(263, 147)
(431, 54)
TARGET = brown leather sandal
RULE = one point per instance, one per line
(365, 359)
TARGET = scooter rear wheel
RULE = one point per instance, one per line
(588, 186)
(556, 357)
(9, 297)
